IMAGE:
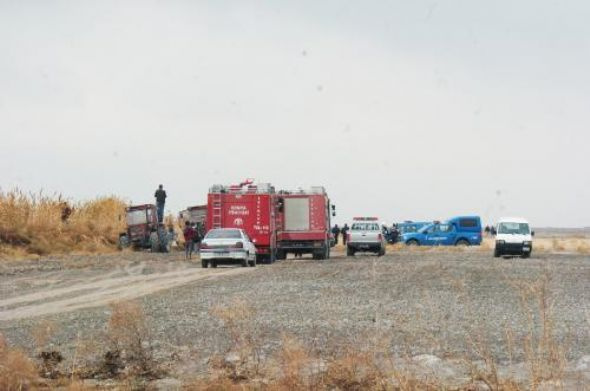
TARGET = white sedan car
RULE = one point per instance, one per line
(227, 245)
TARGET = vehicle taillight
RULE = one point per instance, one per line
(239, 245)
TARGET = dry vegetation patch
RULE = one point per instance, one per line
(37, 224)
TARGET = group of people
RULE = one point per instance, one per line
(193, 233)
(490, 230)
(337, 231)
(391, 234)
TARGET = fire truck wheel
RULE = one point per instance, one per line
(281, 255)
(154, 242)
(204, 264)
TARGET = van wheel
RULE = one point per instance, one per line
(213, 264)
(204, 264)
(526, 255)
(462, 242)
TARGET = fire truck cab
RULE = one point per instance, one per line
(247, 206)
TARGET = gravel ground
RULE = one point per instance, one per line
(434, 302)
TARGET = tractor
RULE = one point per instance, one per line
(144, 231)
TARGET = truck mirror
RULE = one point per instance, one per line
(333, 207)
(532, 233)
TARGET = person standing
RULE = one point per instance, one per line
(189, 240)
(344, 232)
(336, 232)
(160, 202)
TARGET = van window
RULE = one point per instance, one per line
(468, 223)
(514, 228)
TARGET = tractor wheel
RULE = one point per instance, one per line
(123, 241)
(154, 242)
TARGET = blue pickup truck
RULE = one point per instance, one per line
(458, 231)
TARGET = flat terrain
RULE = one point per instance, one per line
(441, 302)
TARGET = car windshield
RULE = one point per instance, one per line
(365, 227)
(514, 228)
(223, 234)
(136, 217)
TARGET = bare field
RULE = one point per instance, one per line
(452, 315)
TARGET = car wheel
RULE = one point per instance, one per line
(252, 263)
(381, 252)
(213, 264)
(349, 252)
(497, 253)
(462, 242)
(412, 243)
(204, 264)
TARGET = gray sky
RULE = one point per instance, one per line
(401, 109)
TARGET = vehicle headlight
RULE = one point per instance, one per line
(527, 243)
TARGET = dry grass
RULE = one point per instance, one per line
(368, 364)
(17, 371)
(33, 224)
(130, 342)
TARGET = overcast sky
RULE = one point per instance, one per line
(401, 109)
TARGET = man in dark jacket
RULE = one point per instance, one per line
(160, 202)
(336, 232)
(344, 231)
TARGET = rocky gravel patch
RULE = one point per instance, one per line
(432, 307)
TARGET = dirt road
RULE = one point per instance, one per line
(65, 292)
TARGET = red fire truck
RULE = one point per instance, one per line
(249, 207)
(303, 223)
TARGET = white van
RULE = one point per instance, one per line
(513, 237)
